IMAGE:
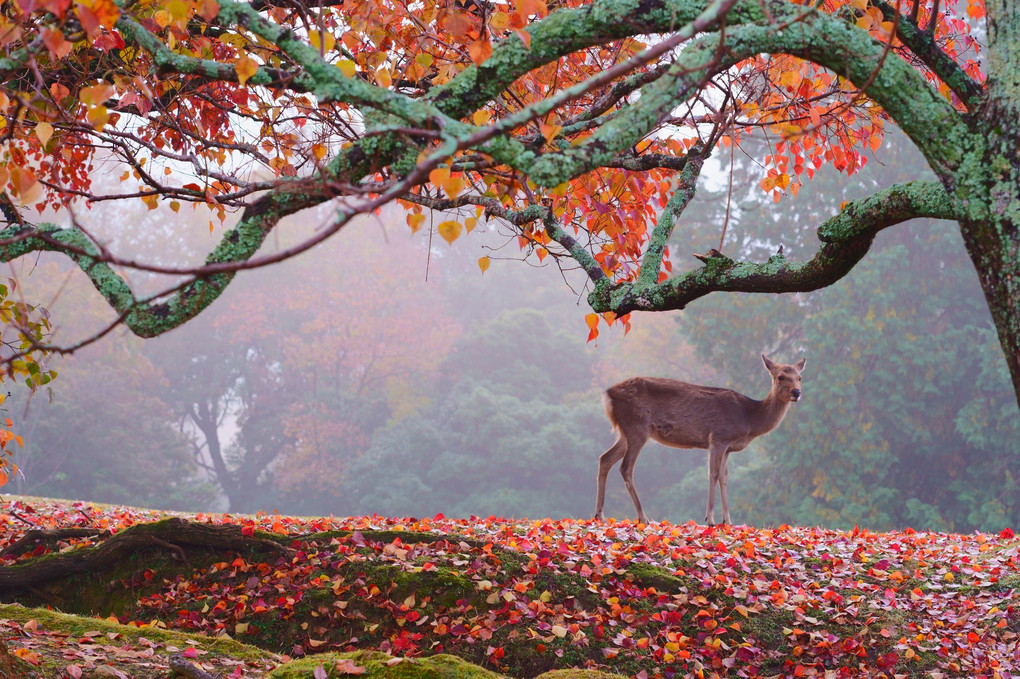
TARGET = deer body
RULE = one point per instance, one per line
(683, 415)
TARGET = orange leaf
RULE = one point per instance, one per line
(480, 50)
(208, 9)
(56, 43)
(483, 263)
(97, 13)
(592, 320)
(246, 68)
(456, 23)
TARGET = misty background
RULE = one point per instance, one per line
(382, 372)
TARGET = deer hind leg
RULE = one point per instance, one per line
(615, 453)
(634, 446)
(716, 458)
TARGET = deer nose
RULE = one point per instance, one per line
(796, 394)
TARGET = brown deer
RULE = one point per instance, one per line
(683, 415)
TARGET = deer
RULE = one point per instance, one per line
(683, 415)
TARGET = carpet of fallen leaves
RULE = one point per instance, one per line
(659, 600)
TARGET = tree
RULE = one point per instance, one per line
(563, 123)
(102, 435)
(284, 382)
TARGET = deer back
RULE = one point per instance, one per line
(678, 414)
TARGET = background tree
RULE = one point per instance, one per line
(284, 383)
(566, 126)
(905, 421)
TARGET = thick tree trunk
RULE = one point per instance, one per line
(993, 250)
(988, 194)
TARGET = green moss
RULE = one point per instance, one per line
(575, 673)
(650, 575)
(382, 666)
(77, 626)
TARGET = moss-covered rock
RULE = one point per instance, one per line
(376, 665)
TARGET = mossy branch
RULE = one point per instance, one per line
(651, 262)
(846, 238)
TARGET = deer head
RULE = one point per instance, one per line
(785, 379)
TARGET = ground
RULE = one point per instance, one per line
(145, 594)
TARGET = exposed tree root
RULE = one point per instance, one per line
(177, 535)
(34, 538)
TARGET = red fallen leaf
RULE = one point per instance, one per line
(320, 673)
(73, 671)
(973, 638)
(1006, 534)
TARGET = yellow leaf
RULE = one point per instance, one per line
(499, 21)
(241, 628)
(245, 67)
(347, 67)
(383, 77)
(483, 263)
(178, 9)
(470, 223)
(415, 221)
(559, 630)
(175, 205)
(424, 59)
(44, 131)
(449, 230)
(324, 42)
(319, 151)
(96, 94)
(592, 320)
(98, 116)
(481, 116)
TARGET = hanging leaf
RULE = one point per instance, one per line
(483, 263)
(449, 230)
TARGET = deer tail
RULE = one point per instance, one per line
(607, 403)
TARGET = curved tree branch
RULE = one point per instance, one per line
(846, 238)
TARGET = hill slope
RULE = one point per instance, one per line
(519, 598)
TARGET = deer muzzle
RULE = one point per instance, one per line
(796, 394)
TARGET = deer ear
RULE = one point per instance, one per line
(799, 365)
(769, 365)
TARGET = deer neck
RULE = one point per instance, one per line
(767, 414)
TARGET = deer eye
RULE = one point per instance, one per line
(781, 378)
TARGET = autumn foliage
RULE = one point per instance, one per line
(521, 597)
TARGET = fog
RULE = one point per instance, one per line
(384, 372)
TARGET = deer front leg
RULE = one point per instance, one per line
(724, 478)
(606, 462)
(715, 460)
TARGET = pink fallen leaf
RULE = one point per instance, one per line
(348, 666)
